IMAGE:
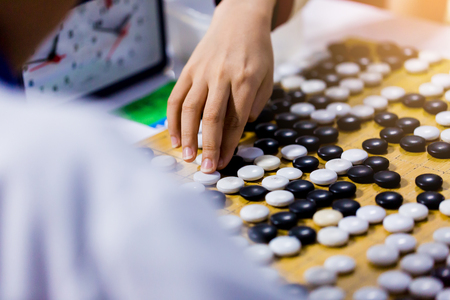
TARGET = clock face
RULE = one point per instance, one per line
(100, 43)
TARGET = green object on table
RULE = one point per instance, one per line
(149, 110)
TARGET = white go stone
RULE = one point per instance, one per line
(445, 135)
(338, 165)
(323, 177)
(268, 162)
(417, 211)
(379, 103)
(354, 85)
(340, 109)
(398, 223)
(207, 179)
(290, 173)
(279, 198)
(288, 69)
(429, 89)
(332, 237)
(313, 86)
(323, 116)
(353, 225)
(363, 112)
(259, 254)
(327, 293)
(429, 133)
(318, 276)
(292, 82)
(441, 80)
(395, 282)
(292, 152)
(444, 207)
(370, 293)
(447, 96)
(348, 69)
(425, 287)
(340, 264)
(373, 214)
(432, 57)
(200, 127)
(230, 223)
(250, 173)
(442, 235)
(200, 140)
(327, 217)
(393, 93)
(403, 242)
(230, 185)
(249, 154)
(416, 66)
(437, 251)
(417, 264)
(198, 159)
(355, 156)
(193, 187)
(165, 163)
(380, 67)
(302, 109)
(254, 213)
(271, 275)
(371, 79)
(382, 255)
(285, 246)
(443, 118)
(443, 295)
(240, 241)
(274, 182)
(337, 93)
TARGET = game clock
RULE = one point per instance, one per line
(102, 46)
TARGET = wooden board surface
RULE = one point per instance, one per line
(408, 165)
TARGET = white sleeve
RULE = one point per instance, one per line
(82, 216)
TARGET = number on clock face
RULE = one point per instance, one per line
(100, 42)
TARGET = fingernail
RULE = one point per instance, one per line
(187, 153)
(220, 164)
(207, 165)
(174, 141)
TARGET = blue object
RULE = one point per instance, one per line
(7, 74)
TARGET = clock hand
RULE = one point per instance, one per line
(53, 52)
(104, 29)
(55, 60)
(116, 44)
(36, 61)
(123, 24)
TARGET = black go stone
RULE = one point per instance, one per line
(439, 150)
(377, 163)
(360, 174)
(388, 49)
(327, 134)
(395, 61)
(385, 119)
(343, 189)
(375, 146)
(319, 101)
(277, 93)
(286, 120)
(266, 115)
(389, 200)
(304, 209)
(392, 134)
(322, 198)
(363, 62)
(413, 143)
(233, 166)
(349, 123)
(265, 130)
(330, 152)
(409, 52)
(262, 233)
(267, 145)
(443, 274)
(331, 79)
(429, 182)
(305, 127)
(284, 220)
(327, 67)
(286, 136)
(430, 199)
(306, 164)
(359, 51)
(310, 142)
(407, 124)
(340, 58)
(435, 106)
(413, 100)
(297, 96)
(300, 188)
(253, 192)
(306, 235)
(216, 198)
(387, 179)
(312, 74)
(347, 207)
(279, 106)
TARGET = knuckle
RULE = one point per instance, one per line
(189, 107)
(233, 122)
(211, 117)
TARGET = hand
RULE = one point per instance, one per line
(228, 80)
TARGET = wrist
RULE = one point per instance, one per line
(263, 9)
